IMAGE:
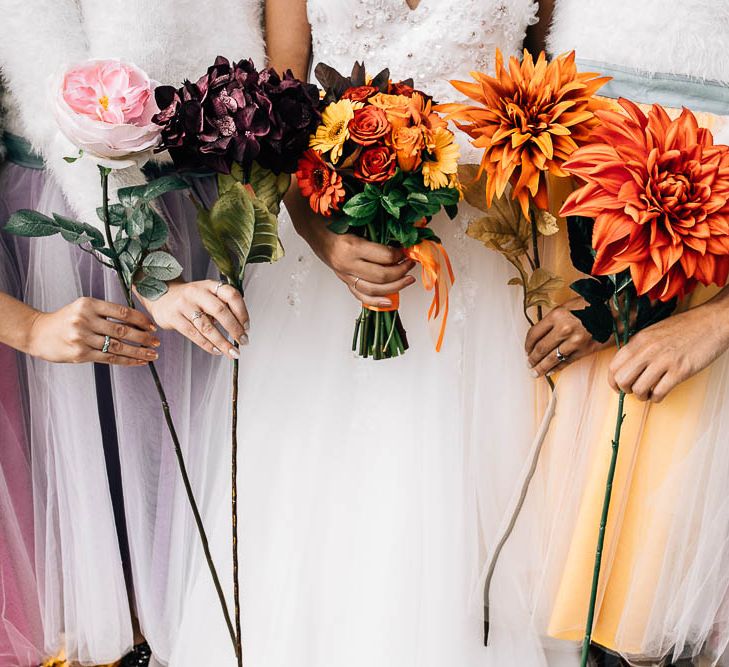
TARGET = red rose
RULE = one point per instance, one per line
(376, 165)
(368, 125)
(401, 88)
(359, 93)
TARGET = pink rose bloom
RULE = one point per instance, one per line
(105, 107)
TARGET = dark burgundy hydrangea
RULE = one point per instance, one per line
(294, 118)
(234, 114)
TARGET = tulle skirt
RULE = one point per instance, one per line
(365, 485)
(21, 636)
(82, 588)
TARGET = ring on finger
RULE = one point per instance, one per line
(196, 315)
(356, 280)
(218, 286)
(107, 344)
(561, 358)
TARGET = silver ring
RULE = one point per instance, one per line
(218, 286)
(107, 343)
(561, 358)
(196, 315)
(356, 280)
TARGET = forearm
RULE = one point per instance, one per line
(16, 323)
(288, 36)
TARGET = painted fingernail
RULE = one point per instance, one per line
(151, 354)
(156, 342)
(140, 363)
(244, 339)
(153, 327)
(385, 303)
(246, 325)
(217, 351)
(410, 280)
(534, 373)
(234, 353)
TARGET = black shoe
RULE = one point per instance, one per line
(139, 657)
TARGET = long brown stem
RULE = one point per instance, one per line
(234, 511)
(126, 290)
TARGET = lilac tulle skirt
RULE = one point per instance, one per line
(111, 529)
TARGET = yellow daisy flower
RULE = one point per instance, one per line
(334, 128)
(437, 172)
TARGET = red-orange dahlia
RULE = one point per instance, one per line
(322, 185)
(658, 190)
(529, 119)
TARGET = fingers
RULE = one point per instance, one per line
(625, 370)
(377, 253)
(119, 349)
(381, 289)
(663, 387)
(218, 309)
(236, 303)
(204, 325)
(125, 332)
(99, 357)
(537, 332)
(546, 345)
(379, 274)
(126, 314)
(186, 328)
(648, 379)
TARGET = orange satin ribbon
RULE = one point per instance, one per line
(437, 275)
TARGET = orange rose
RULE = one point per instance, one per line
(408, 143)
(397, 108)
(368, 125)
(359, 93)
(376, 165)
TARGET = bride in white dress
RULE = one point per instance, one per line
(361, 542)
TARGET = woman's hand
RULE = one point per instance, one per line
(194, 309)
(662, 356)
(371, 271)
(76, 334)
(559, 331)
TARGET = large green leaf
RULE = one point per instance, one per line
(266, 246)
(78, 232)
(269, 187)
(30, 223)
(150, 191)
(156, 236)
(161, 265)
(151, 288)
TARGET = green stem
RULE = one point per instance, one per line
(625, 318)
(535, 251)
(167, 414)
(234, 508)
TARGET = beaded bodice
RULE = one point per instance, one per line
(437, 41)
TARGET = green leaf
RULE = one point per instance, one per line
(117, 214)
(151, 288)
(215, 245)
(161, 265)
(156, 236)
(78, 232)
(361, 206)
(30, 223)
(139, 220)
(266, 246)
(648, 313)
(150, 191)
(339, 225)
(594, 290)
(597, 320)
(71, 160)
(270, 188)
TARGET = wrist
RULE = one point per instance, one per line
(31, 342)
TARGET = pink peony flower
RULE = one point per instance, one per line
(105, 108)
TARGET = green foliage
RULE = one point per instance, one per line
(241, 227)
(402, 202)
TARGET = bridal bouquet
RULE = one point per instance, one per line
(249, 128)
(381, 164)
(649, 224)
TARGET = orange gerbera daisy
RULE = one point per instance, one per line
(659, 192)
(322, 185)
(530, 118)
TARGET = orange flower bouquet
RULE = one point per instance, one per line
(528, 119)
(380, 165)
(650, 223)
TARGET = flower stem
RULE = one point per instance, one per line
(168, 415)
(234, 510)
(625, 317)
(535, 251)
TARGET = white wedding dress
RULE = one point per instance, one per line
(363, 516)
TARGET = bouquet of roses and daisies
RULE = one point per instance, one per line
(249, 127)
(381, 164)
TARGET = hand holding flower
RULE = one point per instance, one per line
(559, 330)
(193, 309)
(659, 358)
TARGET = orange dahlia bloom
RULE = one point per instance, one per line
(529, 119)
(319, 183)
(659, 192)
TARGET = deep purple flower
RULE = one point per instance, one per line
(218, 120)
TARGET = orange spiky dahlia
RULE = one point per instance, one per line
(529, 120)
(659, 192)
